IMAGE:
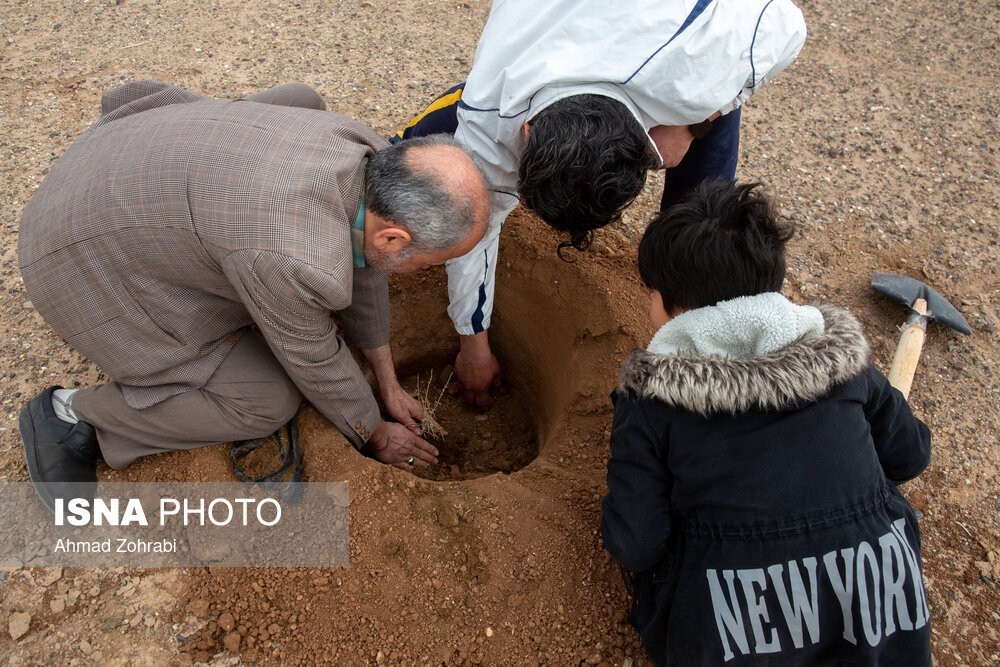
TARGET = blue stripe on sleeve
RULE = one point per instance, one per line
(478, 316)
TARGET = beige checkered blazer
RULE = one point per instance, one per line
(176, 221)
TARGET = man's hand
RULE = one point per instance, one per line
(673, 142)
(401, 406)
(476, 369)
(394, 444)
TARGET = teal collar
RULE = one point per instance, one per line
(358, 236)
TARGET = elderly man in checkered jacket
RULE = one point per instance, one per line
(195, 250)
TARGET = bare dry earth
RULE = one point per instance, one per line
(880, 141)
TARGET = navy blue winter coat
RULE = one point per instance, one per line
(755, 500)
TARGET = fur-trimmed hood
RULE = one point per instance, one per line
(804, 370)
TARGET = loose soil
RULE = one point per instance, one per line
(879, 142)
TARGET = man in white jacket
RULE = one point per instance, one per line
(570, 102)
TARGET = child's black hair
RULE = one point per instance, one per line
(722, 241)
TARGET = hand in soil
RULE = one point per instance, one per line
(396, 445)
(402, 407)
(477, 370)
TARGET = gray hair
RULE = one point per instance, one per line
(415, 198)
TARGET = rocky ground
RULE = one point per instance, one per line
(880, 141)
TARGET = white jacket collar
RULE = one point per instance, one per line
(748, 326)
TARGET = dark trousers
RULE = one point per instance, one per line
(711, 158)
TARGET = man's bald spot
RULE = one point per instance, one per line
(453, 169)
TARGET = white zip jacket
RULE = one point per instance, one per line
(669, 62)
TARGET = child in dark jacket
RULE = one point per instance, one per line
(755, 455)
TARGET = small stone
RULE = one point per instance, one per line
(227, 622)
(489, 632)
(111, 623)
(232, 642)
(57, 605)
(86, 648)
(380, 658)
(27, 305)
(447, 516)
(51, 576)
(18, 623)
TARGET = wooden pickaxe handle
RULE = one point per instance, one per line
(911, 341)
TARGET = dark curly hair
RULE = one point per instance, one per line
(721, 241)
(585, 160)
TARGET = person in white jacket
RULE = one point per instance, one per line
(570, 102)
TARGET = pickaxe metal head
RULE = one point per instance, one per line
(907, 290)
(924, 303)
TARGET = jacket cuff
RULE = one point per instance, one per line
(360, 424)
(467, 329)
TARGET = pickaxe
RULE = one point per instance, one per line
(924, 303)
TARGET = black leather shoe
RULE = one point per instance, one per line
(62, 457)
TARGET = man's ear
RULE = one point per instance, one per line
(525, 131)
(391, 238)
